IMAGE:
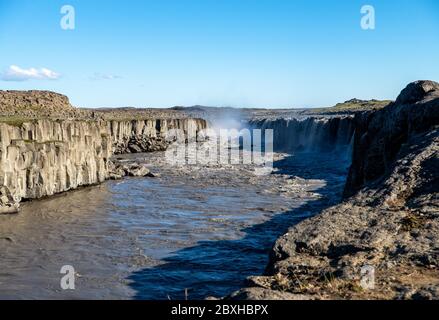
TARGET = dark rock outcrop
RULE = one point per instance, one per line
(151, 135)
(379, 135)
(418, 91)
(390, 224)
(118, 170)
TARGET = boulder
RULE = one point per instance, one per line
(8, 205)
(417, 91)
(137, 170)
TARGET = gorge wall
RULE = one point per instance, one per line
(149, 135)
(44, 157)
(380, 135)
(386, 228)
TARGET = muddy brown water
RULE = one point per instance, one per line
(200, 228)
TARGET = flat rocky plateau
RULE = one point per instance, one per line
(18, 106)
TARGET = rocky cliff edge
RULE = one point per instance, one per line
(382, 242)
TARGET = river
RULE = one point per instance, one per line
(199, 228)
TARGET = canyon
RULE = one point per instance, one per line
(350, 188)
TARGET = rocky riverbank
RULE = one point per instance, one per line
(382, 241)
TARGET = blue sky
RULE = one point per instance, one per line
(248, 53)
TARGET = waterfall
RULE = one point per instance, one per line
(312, 134)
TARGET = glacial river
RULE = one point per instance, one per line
(200, 228)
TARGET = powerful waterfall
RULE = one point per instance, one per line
(313, 134)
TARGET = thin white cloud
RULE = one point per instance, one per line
(104, 76)
(15, 73)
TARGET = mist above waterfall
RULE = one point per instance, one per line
(227, 119)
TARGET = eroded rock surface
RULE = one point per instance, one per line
(389, 225)
(45, 157)
(380, 135)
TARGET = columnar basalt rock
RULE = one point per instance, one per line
(151, 135)
(44, 157)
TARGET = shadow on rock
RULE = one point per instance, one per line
(216, 268)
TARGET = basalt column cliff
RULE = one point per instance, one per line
(70, 147)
